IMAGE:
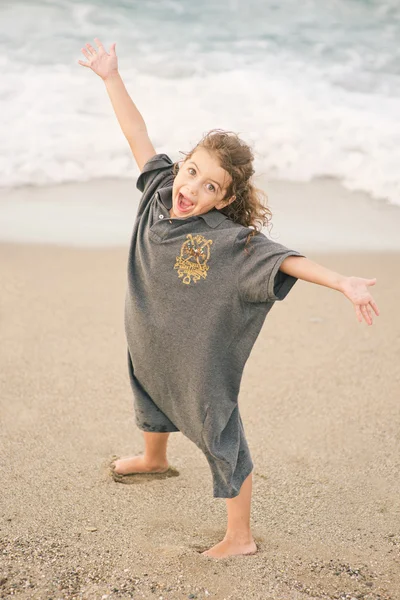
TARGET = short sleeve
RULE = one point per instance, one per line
(257, 266)
(157, 169)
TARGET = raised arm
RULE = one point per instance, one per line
(354, 288)
(131, 121)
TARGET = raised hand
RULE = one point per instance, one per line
(100, 62)
(356, 290)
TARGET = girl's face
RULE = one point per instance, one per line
(199, 186)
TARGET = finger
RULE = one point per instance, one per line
(99, 44)
(86, 53)
(83, 63)
(365, 314)
(112, 49)
(374, 306)
(368, 311)
(358, 313)
(371, 281)
(91, 49)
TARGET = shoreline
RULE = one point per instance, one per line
(317, 216)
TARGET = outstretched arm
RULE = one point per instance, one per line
(354, 288)
(131, 121)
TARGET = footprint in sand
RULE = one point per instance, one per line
(133, 478)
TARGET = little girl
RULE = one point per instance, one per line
(201, 280)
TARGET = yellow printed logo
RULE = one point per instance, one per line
(192, 262)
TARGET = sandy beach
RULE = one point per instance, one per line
(319, 401)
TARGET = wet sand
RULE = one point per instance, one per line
(317, 216)
(320, 405)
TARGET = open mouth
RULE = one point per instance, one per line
(184, 204)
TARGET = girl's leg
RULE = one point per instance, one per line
(154, 459)
(238, 538)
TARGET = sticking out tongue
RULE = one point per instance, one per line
(184, 204)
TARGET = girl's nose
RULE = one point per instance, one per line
(193, 190)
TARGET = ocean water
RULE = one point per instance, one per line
(314, 86)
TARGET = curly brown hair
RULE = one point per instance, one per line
(236, 157)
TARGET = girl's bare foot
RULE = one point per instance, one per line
(138, 464)
(231, 547)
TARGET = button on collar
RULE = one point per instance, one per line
(160, 216)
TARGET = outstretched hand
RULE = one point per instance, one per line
(100, 62)
(356, 290)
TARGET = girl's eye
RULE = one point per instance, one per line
(192, 171)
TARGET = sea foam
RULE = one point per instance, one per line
(316, 95)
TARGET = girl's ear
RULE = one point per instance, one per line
(231, 199)
(224, 203)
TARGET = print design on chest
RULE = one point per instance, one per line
(192, 262)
